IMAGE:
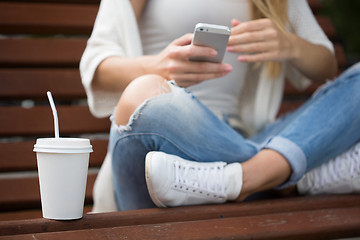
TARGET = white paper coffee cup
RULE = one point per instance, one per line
(62, 167)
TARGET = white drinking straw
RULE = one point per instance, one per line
(56, 122)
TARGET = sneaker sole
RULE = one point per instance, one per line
(149, 184)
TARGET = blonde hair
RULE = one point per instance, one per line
(276, 10)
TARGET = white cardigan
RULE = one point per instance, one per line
(116, 33)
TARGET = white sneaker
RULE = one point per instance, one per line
(339, 175)
(173, 181)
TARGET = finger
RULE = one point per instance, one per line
(206, 67)
(246, 38)
(254, 47)
(250, 26)
(189, 79)
(235, 22)
(183, 40)
(189, 51)
(259, 57)
(198, 67)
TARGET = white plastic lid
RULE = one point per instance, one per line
(63, 145)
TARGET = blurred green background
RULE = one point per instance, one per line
(345, 15)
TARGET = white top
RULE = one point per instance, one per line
(245, 92)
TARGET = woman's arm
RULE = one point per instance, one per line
(115, 73)
(260, 40)
(315, 61)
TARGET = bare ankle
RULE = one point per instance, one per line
(264, 171)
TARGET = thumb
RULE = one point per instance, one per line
(183, 40)
(235, 22)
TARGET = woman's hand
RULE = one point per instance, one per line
(260, 40)
(173, 63)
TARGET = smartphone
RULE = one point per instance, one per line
(211, 35)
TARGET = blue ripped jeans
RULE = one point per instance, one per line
(177, 123)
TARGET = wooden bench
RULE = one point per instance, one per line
(40, 50)
(40, 47)
(312, 217)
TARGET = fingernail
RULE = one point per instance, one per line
(213, 53)
(230, 48)
(228, 68)
(241, 58)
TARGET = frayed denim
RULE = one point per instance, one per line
(178, 123)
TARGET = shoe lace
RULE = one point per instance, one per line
(342, 167)
(206, 179)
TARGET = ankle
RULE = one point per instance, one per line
(264, 171)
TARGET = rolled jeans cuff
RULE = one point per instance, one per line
(293, 154)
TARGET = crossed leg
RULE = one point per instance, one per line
(263, 171)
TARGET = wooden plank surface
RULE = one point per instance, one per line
(183, 214)
(340, 56)
(41, 52)
(68, 1)
(289, 106)
(290, 90)
(327, 26)
(63, 52)
(19, 156)
(315, 5)
(45, 18)
(38, 121)
(72, 16)
(28, 83)
(318, 224)
(23, 192)
(29, 214)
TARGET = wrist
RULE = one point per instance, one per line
(295, 48)
(150, 64)
(146, 65)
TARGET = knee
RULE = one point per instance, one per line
(139, 90)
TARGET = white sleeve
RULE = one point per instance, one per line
(115, 33)
(306, 27)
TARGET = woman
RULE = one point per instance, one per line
(229, 114)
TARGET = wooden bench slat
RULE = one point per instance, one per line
(40, 52)
(340, 56)
(315, 5)
(290, 90)
(29, 17)
(318, 224)
(27, 83)
(19, 192)
(327, 26)
(183, 214)
(66, 52)
(44, 18)
(38, 121)
(19, 156)
(36, 60)
(289, 106)
(65, 1)
(29, 214)
(20, 215)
